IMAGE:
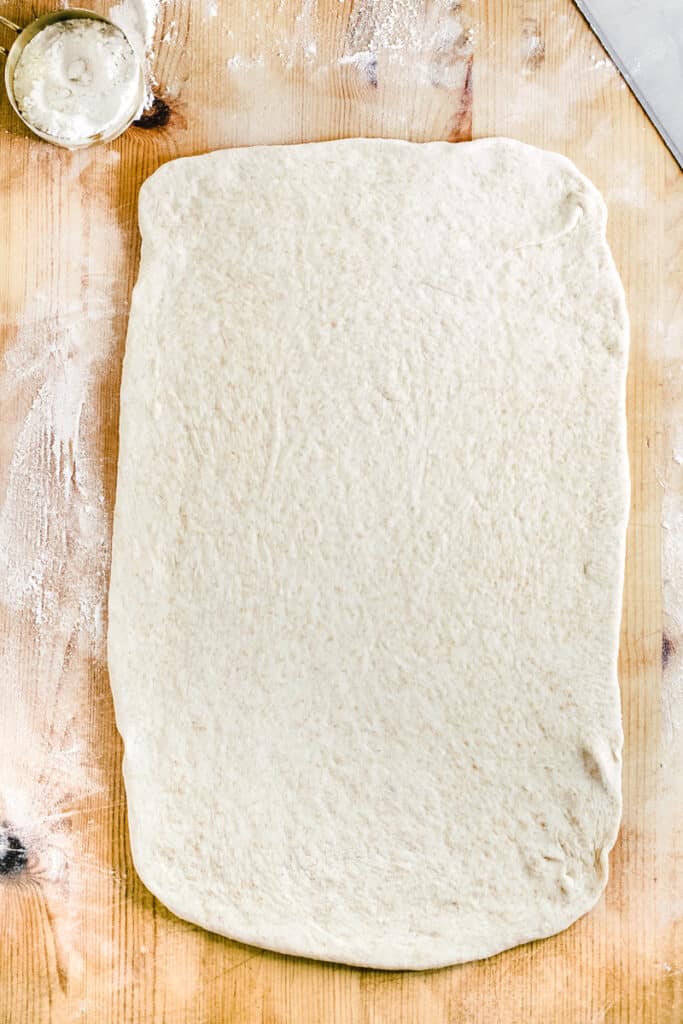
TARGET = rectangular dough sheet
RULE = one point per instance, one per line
(369, 545)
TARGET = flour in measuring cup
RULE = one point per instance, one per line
(77, 78)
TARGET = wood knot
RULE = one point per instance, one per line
(156, 116)
(13, 853)
(668, 649)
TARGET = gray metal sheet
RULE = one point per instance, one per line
(644, 38)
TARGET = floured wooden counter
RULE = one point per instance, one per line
(80, 938)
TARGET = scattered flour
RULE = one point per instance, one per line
(54, 525)
(171, 33)
(363, 60)
(425, 41)
(138, 18)
(57, 402)
(603, 62)
(533, 52)
(54, 516)
(428, 43)
(386, 25)
(302, 42)
(240, 63)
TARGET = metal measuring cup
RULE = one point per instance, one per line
(25, 35)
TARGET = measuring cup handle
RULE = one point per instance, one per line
(15, 28)
(10, 24)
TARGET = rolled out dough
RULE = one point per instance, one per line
(368, 547)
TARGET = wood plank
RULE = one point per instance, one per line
(80, 937)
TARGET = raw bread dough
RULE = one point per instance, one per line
(368, 547)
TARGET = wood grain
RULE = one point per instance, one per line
(81, 939)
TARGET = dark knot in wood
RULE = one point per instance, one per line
(13, 855)
(156, 116)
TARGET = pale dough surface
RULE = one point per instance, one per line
(368, 547)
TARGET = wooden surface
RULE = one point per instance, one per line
(81, 940)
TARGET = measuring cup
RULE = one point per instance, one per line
(25, 35)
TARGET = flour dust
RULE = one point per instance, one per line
(58, 375)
